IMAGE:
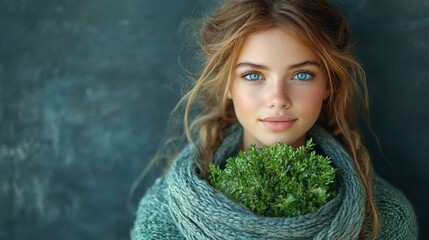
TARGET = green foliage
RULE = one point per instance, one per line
(277, 181)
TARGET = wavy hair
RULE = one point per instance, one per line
(322, 27)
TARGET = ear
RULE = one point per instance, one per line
(327, 94)
(228, 94)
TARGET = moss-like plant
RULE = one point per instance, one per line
(277, 181)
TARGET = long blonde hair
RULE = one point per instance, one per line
(323, 28)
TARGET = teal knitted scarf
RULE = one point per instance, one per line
(201, 212)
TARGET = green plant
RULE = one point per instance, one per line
(277, 181)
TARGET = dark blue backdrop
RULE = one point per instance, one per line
(86, 88)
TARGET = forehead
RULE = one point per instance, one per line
(276, 47)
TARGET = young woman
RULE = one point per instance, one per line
(274, 70)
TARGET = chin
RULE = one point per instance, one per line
(287, 141)
(275, 141)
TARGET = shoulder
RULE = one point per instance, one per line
(397, 217)
(153, 220)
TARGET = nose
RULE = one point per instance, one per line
(277, 95)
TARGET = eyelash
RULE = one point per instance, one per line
(246, 74)
(312, 74)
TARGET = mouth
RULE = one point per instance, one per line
(278, 123)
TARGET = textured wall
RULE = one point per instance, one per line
(86, 88)
(85, 91)
(393, 45)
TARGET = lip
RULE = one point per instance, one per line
(278, 123)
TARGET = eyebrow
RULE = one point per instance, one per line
(264, 67)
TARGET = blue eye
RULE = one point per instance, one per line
(252, 77)
(303, 76)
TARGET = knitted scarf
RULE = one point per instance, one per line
(201, 212)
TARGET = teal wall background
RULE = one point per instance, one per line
(86, 88)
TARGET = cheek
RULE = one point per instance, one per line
(312, 102)
(245, 101)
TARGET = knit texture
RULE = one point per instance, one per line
(180, 205)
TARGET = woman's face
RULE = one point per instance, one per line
(278, 88)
